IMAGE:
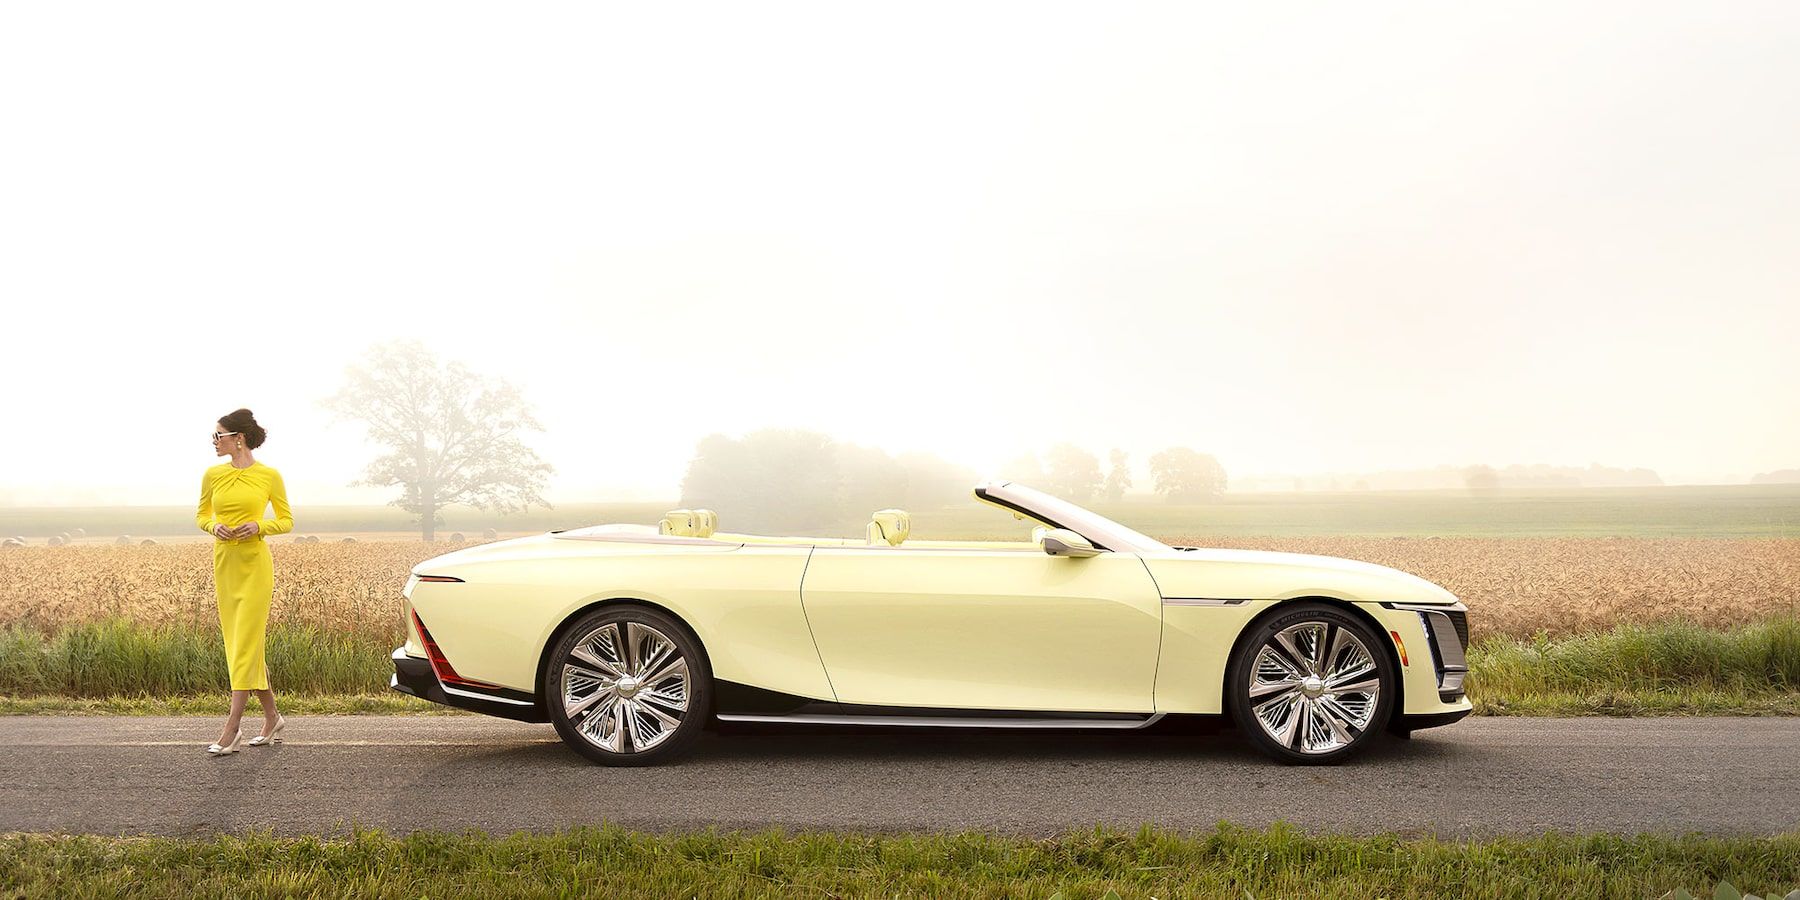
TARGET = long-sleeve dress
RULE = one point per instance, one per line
(243, 570)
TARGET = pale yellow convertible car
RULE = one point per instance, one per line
(632, 639)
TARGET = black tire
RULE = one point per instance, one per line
(621, 708)
(1321, 717)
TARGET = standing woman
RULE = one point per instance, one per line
(233, 495)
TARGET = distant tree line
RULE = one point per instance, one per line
(1484, 479)
(1179, 474)
(795, 479)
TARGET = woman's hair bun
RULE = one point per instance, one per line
(243, 422)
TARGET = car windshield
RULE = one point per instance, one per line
(1059, 513)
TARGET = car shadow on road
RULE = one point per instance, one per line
(775, 746)
(878, 743)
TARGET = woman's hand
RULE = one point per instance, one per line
(223, 532)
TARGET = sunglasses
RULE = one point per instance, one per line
(220, 434)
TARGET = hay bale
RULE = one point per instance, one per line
(146, 542)
(456, 537)
(349, 540)
(122, 540)
(490, 534)
(56, 540)
(78, 532)
(12, 542)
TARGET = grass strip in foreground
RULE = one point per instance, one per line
(1665, 668)
(609, 861)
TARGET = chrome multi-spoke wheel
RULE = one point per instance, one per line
(628, 684)
(1311, 685)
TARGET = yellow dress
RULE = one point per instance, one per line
(243, 570)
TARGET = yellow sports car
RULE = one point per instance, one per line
(631, 639)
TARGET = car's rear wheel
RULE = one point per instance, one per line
(1312, 684)
(628, 686)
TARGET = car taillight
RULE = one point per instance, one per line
(439, 664)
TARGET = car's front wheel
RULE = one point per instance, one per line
(1312, 684)
(628, 686)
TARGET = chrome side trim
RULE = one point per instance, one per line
(450, 690)
(1204, 601)
(944, 721)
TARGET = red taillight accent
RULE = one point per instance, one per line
(439, 665)
(439, 578)
(1402, 645)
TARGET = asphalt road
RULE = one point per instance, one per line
(1476, 778)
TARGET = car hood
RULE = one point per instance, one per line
(1268, 575)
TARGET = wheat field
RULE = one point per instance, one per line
(1514, 587)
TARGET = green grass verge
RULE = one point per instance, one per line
(608, 861)
(1666, 668)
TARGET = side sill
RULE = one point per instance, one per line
(735, 702)
(946, 721)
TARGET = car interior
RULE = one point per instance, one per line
(886, 528)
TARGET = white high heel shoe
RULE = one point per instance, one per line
(215, 749)
(274, 735)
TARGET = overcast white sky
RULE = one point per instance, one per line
(1301, 237)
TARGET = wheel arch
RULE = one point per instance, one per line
(1356, 612)
(568, 622)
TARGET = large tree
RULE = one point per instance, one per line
(1183, 474)
(449, 433)
(1072, 472)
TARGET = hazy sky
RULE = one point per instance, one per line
(1301, 237)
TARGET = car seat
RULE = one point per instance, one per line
(688, 522)
(889, 526)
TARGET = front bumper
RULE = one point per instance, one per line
(413, 675)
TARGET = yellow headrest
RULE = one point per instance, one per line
(689, 522)
(889, 526)
(678, 521)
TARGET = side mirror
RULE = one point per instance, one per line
(1063, 542)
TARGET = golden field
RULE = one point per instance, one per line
(1514, 586)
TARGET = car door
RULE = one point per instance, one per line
(1012, 629)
